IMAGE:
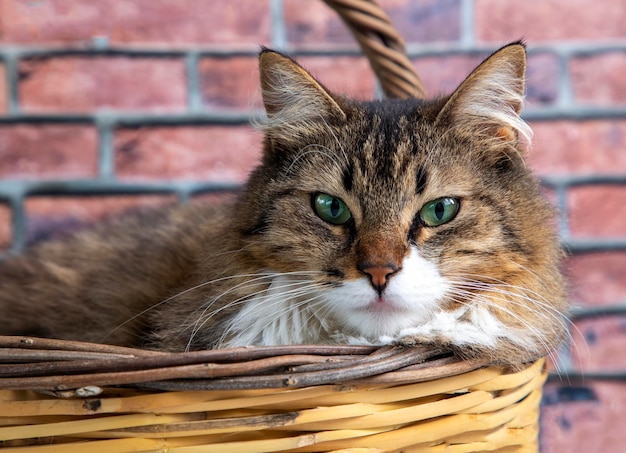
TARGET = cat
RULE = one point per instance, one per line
(387, 221)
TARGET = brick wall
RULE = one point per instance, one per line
(109, 105)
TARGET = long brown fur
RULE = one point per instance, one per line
(176, 279)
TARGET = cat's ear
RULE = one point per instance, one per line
(294, 101)
(490, 99)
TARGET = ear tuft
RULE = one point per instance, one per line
(294, 101)
(491, 97)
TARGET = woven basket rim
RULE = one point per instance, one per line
(30, 363)
(484, 409)
(59, 365)
(463, 404)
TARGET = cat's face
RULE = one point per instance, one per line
(408, 218)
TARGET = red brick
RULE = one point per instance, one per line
(581, 148)
(597, 278)
(425, 21)
(4, 103)
(598, 344)
(191, 152)
(599, 79)
(30, 151)
(351, 76)
(313, 24)
(583, 418)
(597, 211)
(442, 75)
(81, 84)
(542, 79)
(53, 216)
(230, 82)
(549, 20)
(162, 22)
(6, 219)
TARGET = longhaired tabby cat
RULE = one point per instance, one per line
(410, 221)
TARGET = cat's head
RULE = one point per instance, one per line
(409, 217)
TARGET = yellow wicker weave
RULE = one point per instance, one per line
(57, 395)
(64, 397)
(482, 410)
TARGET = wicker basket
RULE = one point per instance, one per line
(55, 396)
(260, 399)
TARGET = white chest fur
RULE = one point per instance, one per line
(286, 313)
(294, 310)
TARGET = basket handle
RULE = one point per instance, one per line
(382, 45)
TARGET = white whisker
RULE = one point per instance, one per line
(498, 295)
(295, 304)
(298, 287)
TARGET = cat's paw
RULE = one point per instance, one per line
(413, 337)
(410, 341)
(446, 340)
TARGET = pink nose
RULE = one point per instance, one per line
(379, 275)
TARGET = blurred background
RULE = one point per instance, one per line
(113, 105)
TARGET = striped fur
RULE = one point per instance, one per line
(270, 269)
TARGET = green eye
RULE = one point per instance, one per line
(439, 211)
(331, 209)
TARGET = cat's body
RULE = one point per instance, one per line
(370, 222)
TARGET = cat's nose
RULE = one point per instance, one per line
(379, 275)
